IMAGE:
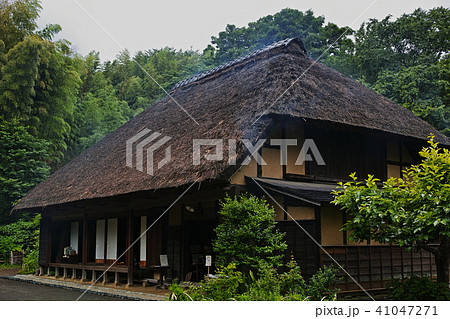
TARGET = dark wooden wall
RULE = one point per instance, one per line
(300, 245)
(44, 241)
(346, 151)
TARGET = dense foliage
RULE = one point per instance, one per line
(413, 211)
(249, 252)
(246, 235)
(231, 284)
(418, 288)
(23, 235)
(22, 163)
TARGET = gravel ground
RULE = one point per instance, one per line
(76, 289)
(12, 290)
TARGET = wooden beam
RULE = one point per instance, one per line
(116, 279)
(49, 242)
(130, 249)
(85, 250)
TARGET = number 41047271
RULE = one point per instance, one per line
(407, 310)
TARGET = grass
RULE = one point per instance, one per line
(9, 266)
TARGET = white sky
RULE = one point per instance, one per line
(184, 24)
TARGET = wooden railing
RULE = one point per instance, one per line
(373, 266)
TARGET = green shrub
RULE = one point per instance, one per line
(266, 287)
(247, 235)
(231, 284)
(292, 282)
(30, 262)
(418, 288)
(180, 294)
(7, 244)
(319, 286)
(228, 283)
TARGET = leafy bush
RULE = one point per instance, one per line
(318, 287)
(30, 262)
(228, 283)
(7, 244)
(418, 288)
(231, 284)
(266, 287)
(22, 235)
(247, 236)
(292, 282)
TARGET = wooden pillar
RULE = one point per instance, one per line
(85, 244)
(105, 278)
(41, 271)
(74, 273)
(56, 271)
(65, 273)
(116, 278)
(94, 276)
(130, 249)
(49, 241)
(48, 271)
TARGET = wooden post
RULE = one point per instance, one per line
(381, 266)
(346, 267)
(41, 271)
(370, 267)
(130, 249)
(85, 244)
(421, 262)
(401, 255)
(56, 272)
(49, 241)
(358, 268)
(74, 273)
(65, 273)
(116, 279)
(392, 261)
(48, 271)
(105, 278)
(94, 276)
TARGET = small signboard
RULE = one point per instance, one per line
(163, 260)
(208, 261)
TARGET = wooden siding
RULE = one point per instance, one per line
(373, 266)
(44, 242)
(300, 246)
(345, 152)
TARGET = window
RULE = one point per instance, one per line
(398, 158)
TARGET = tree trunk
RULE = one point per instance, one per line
(442, 258)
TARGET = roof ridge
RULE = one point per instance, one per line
(221, 67)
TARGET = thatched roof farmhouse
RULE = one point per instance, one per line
(276, 88)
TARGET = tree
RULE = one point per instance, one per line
(421, 89)
(247, 236)
(420, 37)
(38, 87)
(17, 20)
(413, 211)
(288, 23)
(22, 163)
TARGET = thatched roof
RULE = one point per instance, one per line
(225, 103)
